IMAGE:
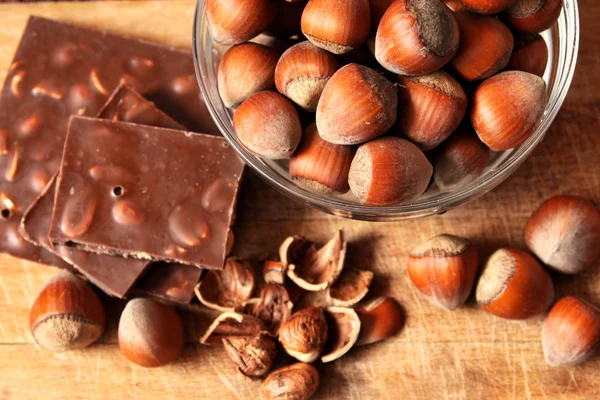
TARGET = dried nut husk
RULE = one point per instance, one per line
(379, 319)
(343, 330)
(232, 324)
(311, 269)
(295, 382)
(225, 289)
(273, 307)
(350, 288)
(303, 336)
(252, 356)
(274, 272)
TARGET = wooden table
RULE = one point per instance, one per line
(466, 354)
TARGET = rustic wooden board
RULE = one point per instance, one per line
(439, 355)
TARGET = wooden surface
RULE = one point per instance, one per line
(439, 355)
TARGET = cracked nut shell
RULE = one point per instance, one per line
(252, 356)
(380, 319)
(273, 308)
(342, 332)
(350, 287)
(303, 336)
(298, 381)
(232, 324)
(225, 289)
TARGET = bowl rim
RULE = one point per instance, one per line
(419, 207)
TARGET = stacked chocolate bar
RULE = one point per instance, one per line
(97, 169)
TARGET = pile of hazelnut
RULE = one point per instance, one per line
(376, 100)
(564, 235)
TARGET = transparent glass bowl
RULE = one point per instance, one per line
(563, 45)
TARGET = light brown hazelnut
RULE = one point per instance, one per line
(253, 356)
(237, 21)
(303, 336)
(298, 381)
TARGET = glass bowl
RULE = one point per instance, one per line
(563, 45)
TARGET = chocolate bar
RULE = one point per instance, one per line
(150, 193)
(61, 69)
(170, 282)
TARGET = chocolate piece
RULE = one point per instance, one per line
(127, 105)
(170, 282)
(150, 193)
(61, 69)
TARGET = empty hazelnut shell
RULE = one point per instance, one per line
(237, 21)
(514, 285)
(273, 308)
(533, 16)
(564, 232)
(380, 319)
(252, 356)
(274, 272)
(529, 55)
(225, 289)
(389, 170)
(416, 37)
(294, 382)
(232, 324)
(342, 332)
(303, 336)
(319, 166)
(311, 269)
(571, 332)
(350, 288)
(507, 107)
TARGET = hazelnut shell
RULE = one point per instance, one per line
(342, 332)
(380, 319)
(487, 7)
(350, 288)
(273, 308)
(529, 55)
(225, 289)
(533, 16)
(250, 18)
(232, 324)
(252, 356)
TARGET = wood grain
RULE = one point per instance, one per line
(439, 355)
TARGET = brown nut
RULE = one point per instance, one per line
(287, 19)
(380, 319)
(298, 381)
(273, 308)
(378, 8)
(513, 285)
(350, 288)
(150, 333)
(337, 26)
(342, 332)
(389, 170)
(268, 124)
(533, 16)
(529, 55)
(252, 356)
(487, 6)
(302, 73)
(459, 160)
(225, 289)
(486, 45)
(303, 336)
(232, 324)
(372, 99)
(66, 314)
(444, 270)
(244, 70)
(319, 166)
(274, 272)
(564, 232)
(416, 37)
(249, 19)
(507, 107)
(430, 108)
(571, 332)
(311, 269)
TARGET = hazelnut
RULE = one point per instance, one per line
(252, 356)
(225, 289)
(311, 269)
(274, 272)
(571, 332)
(372, 99)
(287, 19)
(150, 333)
(244, 70)
(337, 26)
(380, 319)
(507, 107)
(350, 288)
(378, 8)
(66, 314)
(416, 37)
(303, 336)
(319, 166)
(533, 16)
(389, 170)
(459, 160)
(273, 308)
(530, 55)
(232, 324)
(564, 232)
(486, 45)
(455, 5)
(487, 6)
(302, 73)
(430, 108)
(237, 21)
(268, 124)
(298, 381)
(514, 285)
(342, 332)
(444, 270)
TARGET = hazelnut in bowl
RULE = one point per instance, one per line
(422, 106)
